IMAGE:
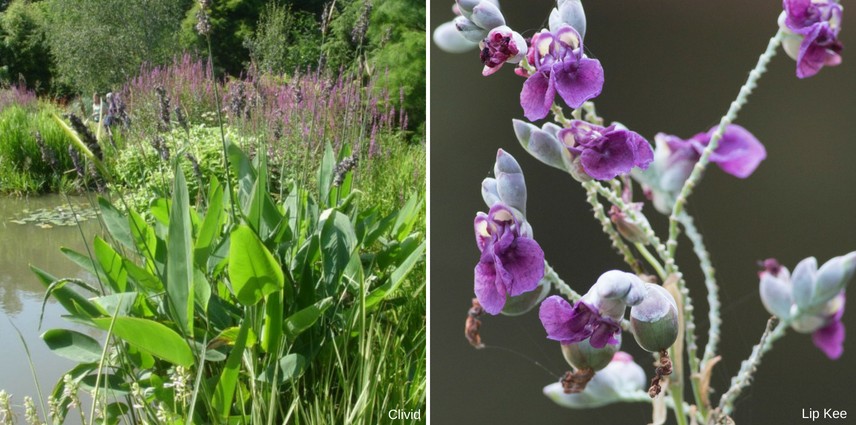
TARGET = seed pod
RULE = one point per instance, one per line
(582, 355)
(654, 321)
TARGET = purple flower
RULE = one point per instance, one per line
(501, 45)
(570, 324)
(511, 262)
(560, 66)
(606, 152)
(830, 338)
(812, 29)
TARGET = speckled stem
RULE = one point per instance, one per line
(730, 116)
(553, 278)
(750, 365)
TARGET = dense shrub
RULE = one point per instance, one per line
(285, 40)
(24, 47)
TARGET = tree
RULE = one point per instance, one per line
(23, 45)
(99, 44)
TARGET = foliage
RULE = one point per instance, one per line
(240, 312)
(23, 44)
(99, 44)
(232, 25)
(285, 40)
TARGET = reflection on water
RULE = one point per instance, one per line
(21, 294)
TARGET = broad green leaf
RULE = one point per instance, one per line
(74, 303)
(253, 271)
(304, 319)
(73, 345)
(210, 225)
(229, 336)
(142, 277)
(201, 290)
(338, 240)
(84, 262)
(291, 367)
(111, 263)
(243, 168)
(396, 277)
(109, 304)
(151, 337)
(146, 242)
(272, 325)
(407, 216)
(325, 174)
(113, 386)
(116, 223)
(179, 282)
(224, 392)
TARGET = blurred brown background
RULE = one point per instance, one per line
(671, 66)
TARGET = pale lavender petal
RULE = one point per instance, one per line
(524, 261)
(578, 82)
(830, 339)
(537, 96)
(739, 153)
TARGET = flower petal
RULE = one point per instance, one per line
(608, 157)
(739, 153)
(830, 339)
(524, 262)
(491, 295)
(555, 314)
(579, 81)
(537, 96)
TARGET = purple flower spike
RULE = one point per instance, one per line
(830, 338)
(511, 262)
(606, 152)
(814, 26)
(560, 67)
(739, 153)
(569, 325)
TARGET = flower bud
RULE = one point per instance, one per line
(581, 355)
(832, 277)
(521, 304)
(450, 40)
(628, 228)
(489, 193)
(776, 289)
(487, 15)
(569, 12)
(654, 321)
(620, 377)
(542, 145)
(510, 184)
(469, 30)
(614, 291)
(466, 6)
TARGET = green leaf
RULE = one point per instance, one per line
(291, 367)
(396, 277)
(151, 337)
(116, 223)
(253, 270)
(179, 282)
(224, 392)
(109, 304)
(210, 225)
(73, 345)
(325, 173)
(111, 263)
(407, 216)
(146, 241)
(201, 290)
(84, 262)
(142, 277)
(74, 303)
(338, 240)
(304, 319)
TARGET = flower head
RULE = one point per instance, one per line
(619, 378)
(559, 67)
(811, 34)
(739, 153)
(811, 299)
(511, 262)
(606, 152)
(501, 45)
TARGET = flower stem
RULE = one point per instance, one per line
(651, 260)
(553, 278)
(750, 365)
(709, 282)
(730, 116)
(642, 397)
(617, 242)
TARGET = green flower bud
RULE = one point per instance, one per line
(581, 355)
(654, 321)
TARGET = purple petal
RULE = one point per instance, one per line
(537, 96)
(830, 339)
(612, 156)
(524, 262)
(797, 10)
(819, 48)
(555, 314)
(579, 81)
(604, 333)
(490, 294)
(739, 153)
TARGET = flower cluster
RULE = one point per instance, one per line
(810, 299)
(811, 30)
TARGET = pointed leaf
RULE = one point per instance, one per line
(179, 282)
(151, 337)
(253, 271)
(73, 345)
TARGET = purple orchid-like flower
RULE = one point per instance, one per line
(511, 262)
(560, 67)
(569, 324)
(830, 338)
(811, 34)
(606, 152)
(501, 45)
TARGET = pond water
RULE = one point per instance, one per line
(35, 242)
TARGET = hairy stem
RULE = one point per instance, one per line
(617, 242)
(730, 116)
(750, 365)
(553, 278)
(709, 282)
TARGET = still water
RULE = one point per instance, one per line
(21, 294)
